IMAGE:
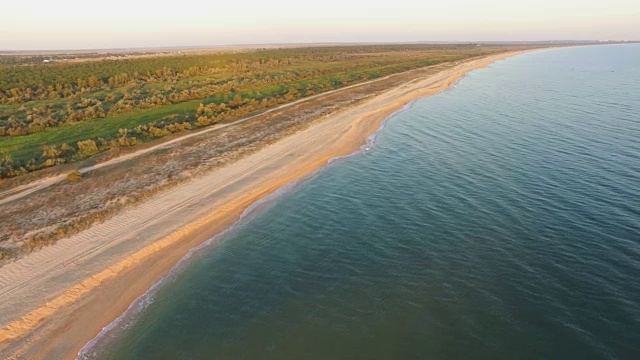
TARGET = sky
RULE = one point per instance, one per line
(75, 24)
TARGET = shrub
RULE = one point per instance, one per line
(74, 176)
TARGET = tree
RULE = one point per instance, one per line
(237, 101)
(74, 176)
(87, 148)
(67, 150)
(50, 152)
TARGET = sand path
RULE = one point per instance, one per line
(55, 300)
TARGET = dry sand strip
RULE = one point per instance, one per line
(54, 301)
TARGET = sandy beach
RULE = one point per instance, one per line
(56, 300)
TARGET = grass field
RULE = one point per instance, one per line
(29, 146)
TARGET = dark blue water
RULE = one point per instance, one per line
(497, 220)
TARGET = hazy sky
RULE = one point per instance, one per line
(79, 24)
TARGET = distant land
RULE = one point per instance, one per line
(238, 47)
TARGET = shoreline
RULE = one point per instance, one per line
(88, 351)
(76, 315)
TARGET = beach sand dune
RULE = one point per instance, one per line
(56, 300)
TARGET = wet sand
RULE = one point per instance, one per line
(56, 300)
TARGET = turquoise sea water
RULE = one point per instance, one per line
(497, 220)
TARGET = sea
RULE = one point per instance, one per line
(499, 219)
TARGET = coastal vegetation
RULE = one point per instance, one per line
(60, 112)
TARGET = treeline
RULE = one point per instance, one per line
(125, 92)
(26, 120)
(137, 95)
(19, 84)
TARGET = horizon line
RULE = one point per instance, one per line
(309, 44)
